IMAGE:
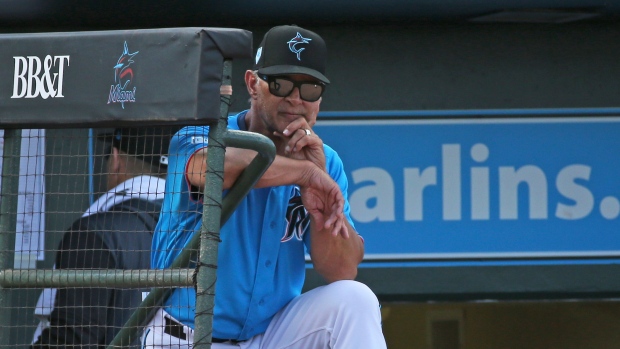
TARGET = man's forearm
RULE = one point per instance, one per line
(282, 171)
(285, 171)
(335, 257)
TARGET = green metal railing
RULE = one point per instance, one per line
(203, 245)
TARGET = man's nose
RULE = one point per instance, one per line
(295, 94)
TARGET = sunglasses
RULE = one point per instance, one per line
(282, 87)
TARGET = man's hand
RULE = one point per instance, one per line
(324, 202)
(303, 143)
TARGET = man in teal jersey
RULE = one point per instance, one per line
(299, 205)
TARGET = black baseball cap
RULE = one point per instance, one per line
(150, 144)
(289, 49)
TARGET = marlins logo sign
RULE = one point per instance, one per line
(121, 91)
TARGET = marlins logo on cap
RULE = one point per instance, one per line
(290, 49)
(295, 41)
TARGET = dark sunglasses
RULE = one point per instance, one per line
(282, 87)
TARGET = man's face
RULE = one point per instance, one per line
(277, 112)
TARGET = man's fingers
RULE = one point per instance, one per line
(294, 126)
(301, 138)
(335, 212)
(339, 228)
(297, 141)
(333, 217)
(336, 219)
(345, 231)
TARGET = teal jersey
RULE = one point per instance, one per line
(261, 258)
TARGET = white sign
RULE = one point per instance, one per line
(30, 230)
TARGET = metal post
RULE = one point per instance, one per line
(8, 222)
(210, 230)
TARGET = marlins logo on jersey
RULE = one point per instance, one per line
(297, 218)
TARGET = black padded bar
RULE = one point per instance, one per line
(115, 78)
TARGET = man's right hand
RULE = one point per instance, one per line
(303, 143)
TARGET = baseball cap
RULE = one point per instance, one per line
(150, 144)
(289, 49)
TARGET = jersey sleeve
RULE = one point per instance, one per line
(184, 146)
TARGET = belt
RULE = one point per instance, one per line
(175, 329)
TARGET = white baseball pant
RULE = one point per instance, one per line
(341, 315)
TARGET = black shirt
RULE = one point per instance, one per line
(117, 239)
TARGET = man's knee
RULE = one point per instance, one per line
(353, 293)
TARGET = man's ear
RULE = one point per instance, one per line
(251, 82)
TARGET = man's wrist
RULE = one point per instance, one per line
(307, 172)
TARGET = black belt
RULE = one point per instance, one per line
(175, 329)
